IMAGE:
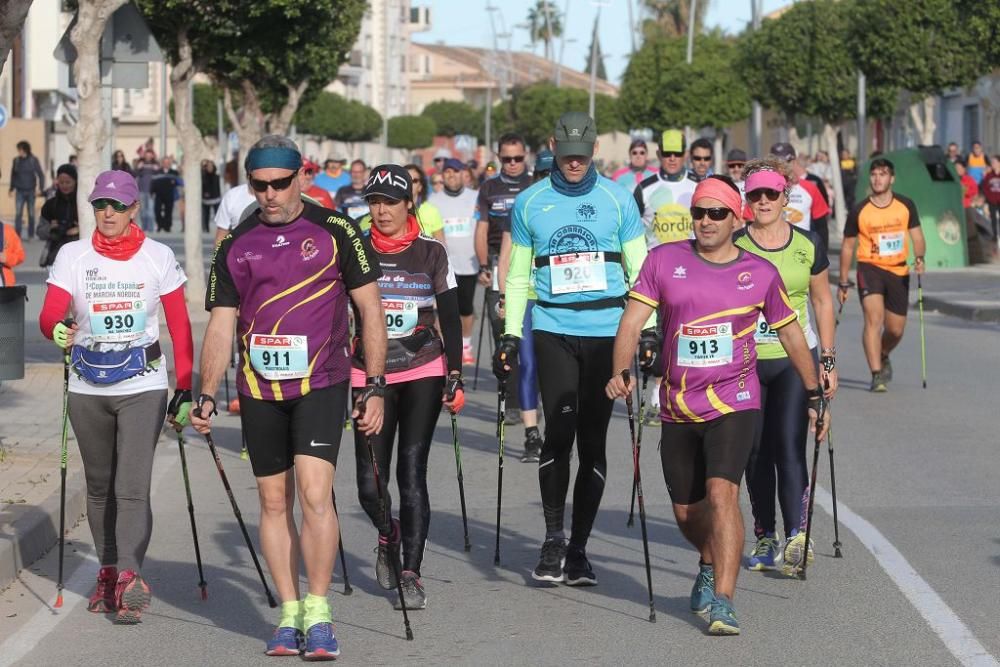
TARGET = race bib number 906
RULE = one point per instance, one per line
(279, 357)
(400, 317)
(705, 346)
(117, 321)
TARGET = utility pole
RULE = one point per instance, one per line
(756, 122)
(690, 53)
(862, 120)
(593, 64)
(631, 27)
(387, 45)
(562, 45)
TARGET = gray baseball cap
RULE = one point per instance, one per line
(575, 134)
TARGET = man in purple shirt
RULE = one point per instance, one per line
(282, 278)
(708, 294)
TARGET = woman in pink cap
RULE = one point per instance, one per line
(102, 309)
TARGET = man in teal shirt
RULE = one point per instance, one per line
(584, 236)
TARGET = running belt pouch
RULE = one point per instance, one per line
(114, 366)
(420, 347)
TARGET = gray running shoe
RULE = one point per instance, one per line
(413, 592)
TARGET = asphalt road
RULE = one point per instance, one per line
(919, 582)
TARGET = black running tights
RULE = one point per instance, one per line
(572, 373)
(412, 408)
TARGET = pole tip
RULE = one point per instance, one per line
(652, 617)
(496, 560)
(348, 590)
(925, 384)
(409, 635)
(271, 601)
(59, 601)
(468, 547)
(204, 592)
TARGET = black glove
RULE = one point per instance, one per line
(504, 356)
(180, 406)
(452, 386)
(649, 353)
(362, 395)
(818, 403)
(200, 410)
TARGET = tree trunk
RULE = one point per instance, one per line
(720, 162)
(89, 135)
(841, 202)
(278, 123)
(11, 21)
(249, 125)
(194, 148)
(924, 123)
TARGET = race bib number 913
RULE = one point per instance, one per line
(705, 346)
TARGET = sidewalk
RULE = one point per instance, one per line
(972, 293)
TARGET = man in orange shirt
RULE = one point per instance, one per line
(882, 227)
(11, 254)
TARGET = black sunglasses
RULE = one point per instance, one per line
(672, 153)
(701, 158)
(638, 152)
(717, 213)
(101, 204)
(736, 165)
(772, 195)
(510, 159)
(278, 184)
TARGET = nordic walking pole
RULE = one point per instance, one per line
(637, 479)
(194, 529)
(239, 518)
(833, 492)
(479, 345)
(840, 310)
(340, 541)
(638, 441)
(461, 480)
(63, 453)
(387, 525)
(821, 408)
(923, 340)
(501, 414)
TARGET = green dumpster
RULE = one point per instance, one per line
(924, 175)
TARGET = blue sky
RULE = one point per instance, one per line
(466, 23)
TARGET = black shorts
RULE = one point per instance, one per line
(278, 431)
(894, 289)
(693, 452)
(467, 294)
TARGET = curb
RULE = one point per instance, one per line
(35, 528)
(966, 311)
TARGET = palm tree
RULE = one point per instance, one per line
(670, 17)
(539, 29)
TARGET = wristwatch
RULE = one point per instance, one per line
(378, 383)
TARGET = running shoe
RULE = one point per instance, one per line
(384, 571)
(532, 446)
(467, 358)
(886, 369)
(413, 592)
(103, 599)
(550, 565)
(792, 552)
(878, 383)
(703, 593)
(722, 617)
(321, 644)
(132, 595)
(577, 570)
(652, 418)
(512, 417)
(285, 641)
(765, 554)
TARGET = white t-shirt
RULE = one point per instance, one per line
(799, 209)
(117, 305)
(459, 215)
(233, 205)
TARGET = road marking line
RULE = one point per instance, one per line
(46, 619)
(945, 623)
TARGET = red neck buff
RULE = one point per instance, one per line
(388, 244)
(121, 247)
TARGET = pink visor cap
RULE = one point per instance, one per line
(768, 179)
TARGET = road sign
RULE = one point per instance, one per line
(3, 116)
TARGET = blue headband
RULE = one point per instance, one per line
(274, 157)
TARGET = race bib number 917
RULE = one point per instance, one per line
(890, 244)
(705, 346)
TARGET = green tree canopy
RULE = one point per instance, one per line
(664, 91)
(533, 111)
(820, 80)
(411, 132)
(453, 118)
(331, 116)
(922, 46)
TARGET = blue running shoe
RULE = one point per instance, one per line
(764, 554)
(285, 641)
(703, 593)
(320, 643)
(722, 618)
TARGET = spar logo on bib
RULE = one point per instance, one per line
(572, 238)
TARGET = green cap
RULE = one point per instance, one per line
(575, 134)
(672, 141)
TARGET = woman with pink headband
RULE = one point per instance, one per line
(778, 458)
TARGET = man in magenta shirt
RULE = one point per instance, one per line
(708, 294)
